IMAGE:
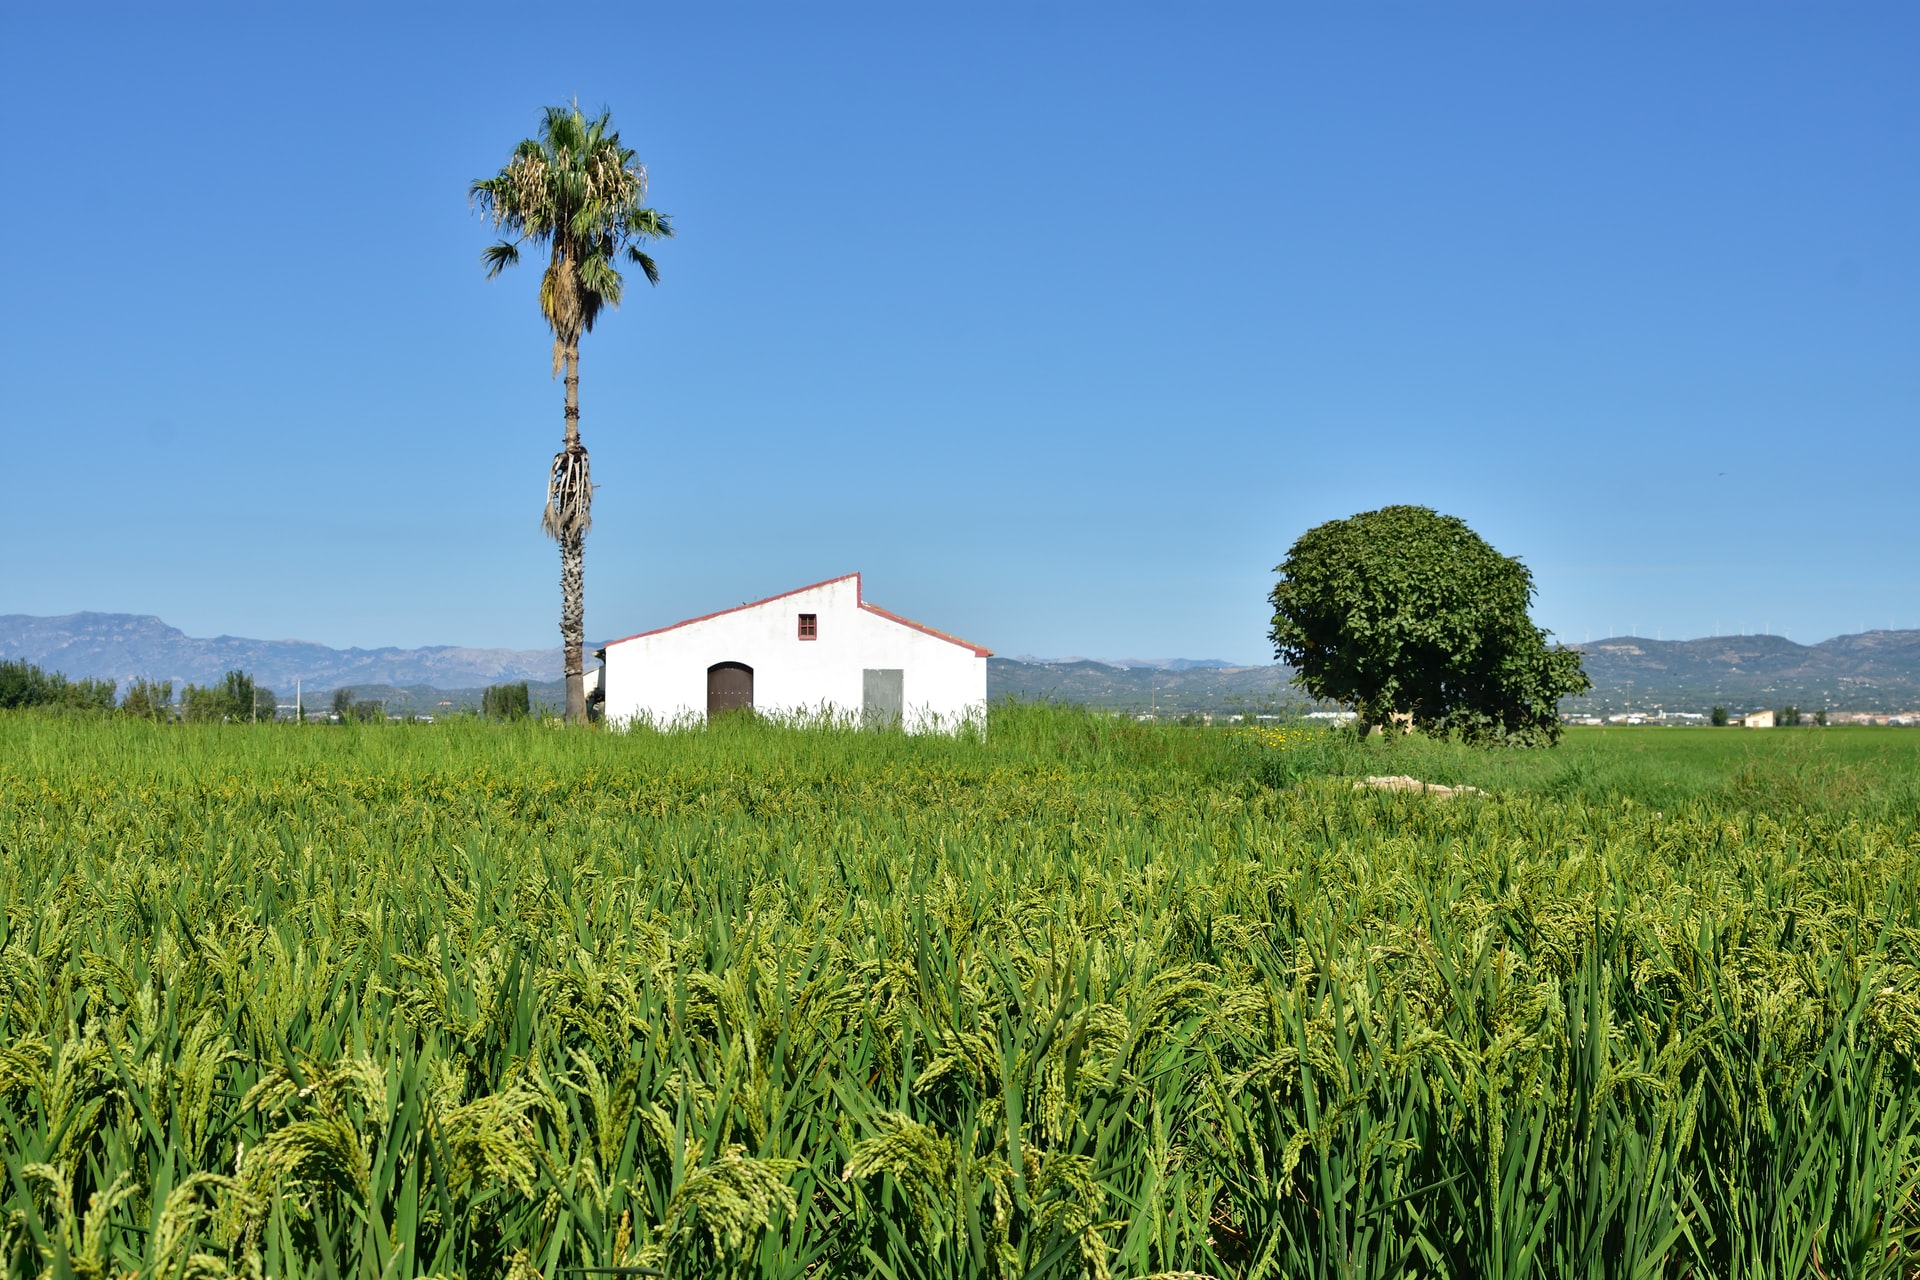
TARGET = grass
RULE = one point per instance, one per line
(1085, 998)
(1864, 772)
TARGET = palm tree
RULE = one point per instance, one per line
(576, 191)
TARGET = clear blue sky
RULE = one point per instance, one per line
(1060, 321)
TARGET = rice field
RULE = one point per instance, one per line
(1084, 998)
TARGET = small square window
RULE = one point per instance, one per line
(809, 626)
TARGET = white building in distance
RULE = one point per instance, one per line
(812, 651)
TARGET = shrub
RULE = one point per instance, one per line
(149, 699)
(235, 700)
(506, 702)
(22, 684)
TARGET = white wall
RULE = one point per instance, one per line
(662, 676)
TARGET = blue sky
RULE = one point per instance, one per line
(1059, 321)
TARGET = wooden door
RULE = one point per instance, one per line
(729, 686)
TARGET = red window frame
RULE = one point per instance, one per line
(809, 626)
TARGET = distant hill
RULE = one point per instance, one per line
(1129, 664)
(120, 646)
(1171, 687)
(1872, 671)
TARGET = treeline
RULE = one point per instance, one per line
(236, 699)
(24, 685)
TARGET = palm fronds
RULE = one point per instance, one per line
(577, 191)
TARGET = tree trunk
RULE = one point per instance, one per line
(572, 559)
(573, 394)
(572, 616)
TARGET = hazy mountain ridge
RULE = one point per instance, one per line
(121, 646)
(1129, 664)
(1870, 671)
(1180, 686)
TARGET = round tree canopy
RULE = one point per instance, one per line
(1406, 612)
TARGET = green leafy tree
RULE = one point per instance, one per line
(149, 699)
(235, 700)
(506, 702)
(1720, 717)
(19, 682)
(1788, 716)
(202, 704)
(22, 684)
(1405, 612)
(343, 703)
(577, 192)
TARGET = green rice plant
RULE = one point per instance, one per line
(1078, 996)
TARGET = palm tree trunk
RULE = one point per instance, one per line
(572, 618)
(573, 556)
(572, 358)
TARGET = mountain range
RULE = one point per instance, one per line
(1872, 671)
(1173, 687)
(121, 646)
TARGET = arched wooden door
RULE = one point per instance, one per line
(729, 685)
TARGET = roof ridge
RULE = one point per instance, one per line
(751, 604)
(979, 651)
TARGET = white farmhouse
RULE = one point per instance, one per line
(818, 649)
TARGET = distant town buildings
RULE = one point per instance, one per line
(1904, 719)
(1751, 720)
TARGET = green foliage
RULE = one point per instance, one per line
(1076, 998)
(1720, 717)
(149, 699)
(1788, 716)
(1404, 612)
(24, 685)
(1869, 774)
(343, 703)
(506, 702)
(235, 700)
(577, 191)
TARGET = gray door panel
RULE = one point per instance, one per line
(883, 697)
